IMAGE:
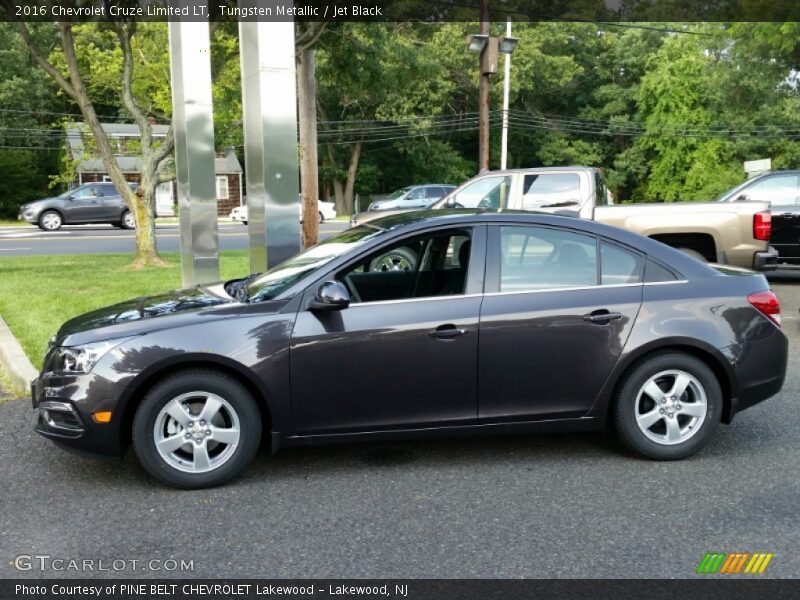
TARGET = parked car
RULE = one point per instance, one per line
(327, 210)
(504, 322)
(736, 234)
(781, 189)
(88, 203)
(412, 197)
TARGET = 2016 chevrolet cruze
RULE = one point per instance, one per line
(429, 323)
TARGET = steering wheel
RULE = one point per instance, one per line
(354, 295)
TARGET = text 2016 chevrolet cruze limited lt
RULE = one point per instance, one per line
(427, 323)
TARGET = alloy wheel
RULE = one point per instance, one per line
(129, 221)
(51, 221)
(196, 432)
(670, 407)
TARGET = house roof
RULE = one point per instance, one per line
(223, 165)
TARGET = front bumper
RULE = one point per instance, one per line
(28, 216)
(65, 412)
(766, 261)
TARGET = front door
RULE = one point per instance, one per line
(83, 206)
(404, 354)
(554, 324)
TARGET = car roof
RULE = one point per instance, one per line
(408, 222)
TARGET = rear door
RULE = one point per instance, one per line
(110, 201)
(559, 307)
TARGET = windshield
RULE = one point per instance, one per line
(281, 277)
(398, 193)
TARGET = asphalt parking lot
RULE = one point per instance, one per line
(525, 506)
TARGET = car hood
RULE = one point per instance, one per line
(35, 203)
(149, 313)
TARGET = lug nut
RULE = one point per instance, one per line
(663, 400)
(188, 436)
(677, 407)
(662, 411)
(202, 422)
(670, 415)
(208, 432)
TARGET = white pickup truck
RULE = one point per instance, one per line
(735, 233)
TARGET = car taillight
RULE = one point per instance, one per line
(767, 304)
(762, 226)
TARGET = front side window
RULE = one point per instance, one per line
(487, 192)
(540, 258)
(281, 277)
(86, 191)
(780, 190)
(551, 190)
(434, 264)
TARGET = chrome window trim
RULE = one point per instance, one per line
(401, 300)
(585, 287)
(564, 289)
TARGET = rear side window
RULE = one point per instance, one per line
(540, 258)
(618, 265)
(551, 190)
(654, 273)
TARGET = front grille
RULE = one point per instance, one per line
(60, 416)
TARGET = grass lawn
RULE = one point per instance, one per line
(39, 293)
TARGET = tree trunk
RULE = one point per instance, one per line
(352, 170)
(338, 194)
(309, 184)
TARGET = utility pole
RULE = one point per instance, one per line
(506, 86)
(483, 91)
(489, 48)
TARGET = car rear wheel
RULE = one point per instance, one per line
(321, 218)
(668, 406)
(127, 221)
(196, 429)
(50, 220)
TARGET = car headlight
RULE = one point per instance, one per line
(81, 359)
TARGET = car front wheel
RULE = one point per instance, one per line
(50, 221)
(668, 406)
(196, 429)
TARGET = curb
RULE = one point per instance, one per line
(13, 359)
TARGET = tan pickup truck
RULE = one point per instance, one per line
(734, 233)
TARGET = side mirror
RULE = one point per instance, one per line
(451, 202)
(331, 295)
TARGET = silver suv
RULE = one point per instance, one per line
(411, 197)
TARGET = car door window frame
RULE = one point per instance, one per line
(494, 259)
(476, 271)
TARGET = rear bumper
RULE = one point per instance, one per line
(766, 261)
(760, 370)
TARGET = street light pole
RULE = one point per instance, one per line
(506, 85)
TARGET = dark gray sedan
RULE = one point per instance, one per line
(89, 203)
(487, 323)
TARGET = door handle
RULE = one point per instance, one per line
(602, 316)
(447, 332)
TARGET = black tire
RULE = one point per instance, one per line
(184, 382)
(694, 254)
(126, 217)
(50, 220)
(321, 218)
(624, 405)
(244, 222)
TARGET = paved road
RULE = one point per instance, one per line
(102, 239)
(525, 506)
